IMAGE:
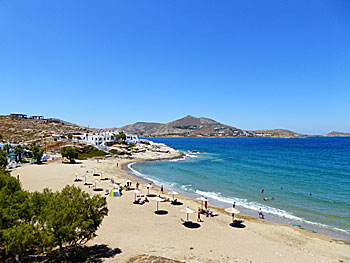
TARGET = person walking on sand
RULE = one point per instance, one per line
(137, 185)
(206, 204)
(161, 189)
(199, 215)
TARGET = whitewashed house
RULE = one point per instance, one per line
(132, 139)
(99, 139)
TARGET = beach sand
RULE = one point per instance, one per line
(132, 230)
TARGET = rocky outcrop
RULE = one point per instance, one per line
(337, 134)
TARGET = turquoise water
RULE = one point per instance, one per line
(237, 169)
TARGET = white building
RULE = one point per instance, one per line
(99, 139)
(132, 139)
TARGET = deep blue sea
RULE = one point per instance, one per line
(236, 170)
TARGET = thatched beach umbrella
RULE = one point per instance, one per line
(173, 193)
(76, 177)
(136, 192)
(187, 211)
(157, 199)
(202, 199)
(148, 187)
(232, 211)
(85, 176)
(96, 181)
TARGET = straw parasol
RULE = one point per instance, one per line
(136, 192)
(85, 176)
(173, 193)
(76, 177)
(96, 181)
(94, 172)
(232, 211)
(157, 199)
(148, 187)
(187, 211)
(202, 199)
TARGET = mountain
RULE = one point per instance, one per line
(190, 126)
(337, 134)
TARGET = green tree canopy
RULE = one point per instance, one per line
(18, 151)
(70, 153)
(7, 148)
(37, 152)
(3, 159)
(70, 136)
(41, 221)
(120, 136)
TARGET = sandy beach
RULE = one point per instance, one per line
(132, 230)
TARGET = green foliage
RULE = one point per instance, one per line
(132, 145)
(120, 136)
(3, 159)
(18, 151)
(6, 148)
(39, 222)
(37, 152)
(70, 136)
(70, 153)
(90, 152)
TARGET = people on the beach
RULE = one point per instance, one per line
(261, 215)
(199, 215)
(206, 204)
(234, 205)
(262, 191)
(162, 189)
(137, 185)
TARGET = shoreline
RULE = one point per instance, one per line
(136, 230)
(246, 212)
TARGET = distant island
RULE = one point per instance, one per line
(190, 126)
(337, 134)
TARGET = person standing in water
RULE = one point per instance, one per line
(261, 215)
(234, 205)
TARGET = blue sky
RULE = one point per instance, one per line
(249, 64)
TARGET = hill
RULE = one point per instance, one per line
(190, 126)
(278, 133)
(28, 130)
(337, 134)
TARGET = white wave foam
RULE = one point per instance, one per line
(242, 202)
(267, 209)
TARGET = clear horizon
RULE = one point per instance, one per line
(249, 65)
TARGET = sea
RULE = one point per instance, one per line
(305, 181)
